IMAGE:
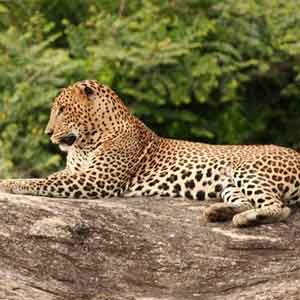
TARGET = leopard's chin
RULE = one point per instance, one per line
(64, 147)
(67, 141)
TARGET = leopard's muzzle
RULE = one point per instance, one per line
(68, 139)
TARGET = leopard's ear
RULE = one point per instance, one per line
(88, 91)
(87, 88)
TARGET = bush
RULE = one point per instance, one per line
(31, 72)
(220, 72)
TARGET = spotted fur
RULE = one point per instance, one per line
(112, 153)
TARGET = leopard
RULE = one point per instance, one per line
(112, 153)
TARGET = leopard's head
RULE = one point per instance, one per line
(84, 113)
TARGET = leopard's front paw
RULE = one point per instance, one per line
(6, 186)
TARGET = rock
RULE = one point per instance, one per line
(140, 249)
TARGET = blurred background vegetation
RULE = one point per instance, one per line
(214, 71)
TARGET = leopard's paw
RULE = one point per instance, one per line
(256, 216)
(6, 186)
(219, 212)
(247, 218)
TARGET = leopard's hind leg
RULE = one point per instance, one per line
(248, 206)
(234, 202)
(268, 209)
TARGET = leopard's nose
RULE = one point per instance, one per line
(49, 132)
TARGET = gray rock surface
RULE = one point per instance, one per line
(140, 249)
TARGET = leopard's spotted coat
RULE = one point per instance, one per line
(112, 153)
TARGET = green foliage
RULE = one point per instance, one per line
(215, 71)
(30, 74)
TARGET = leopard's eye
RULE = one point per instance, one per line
(61, 110)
